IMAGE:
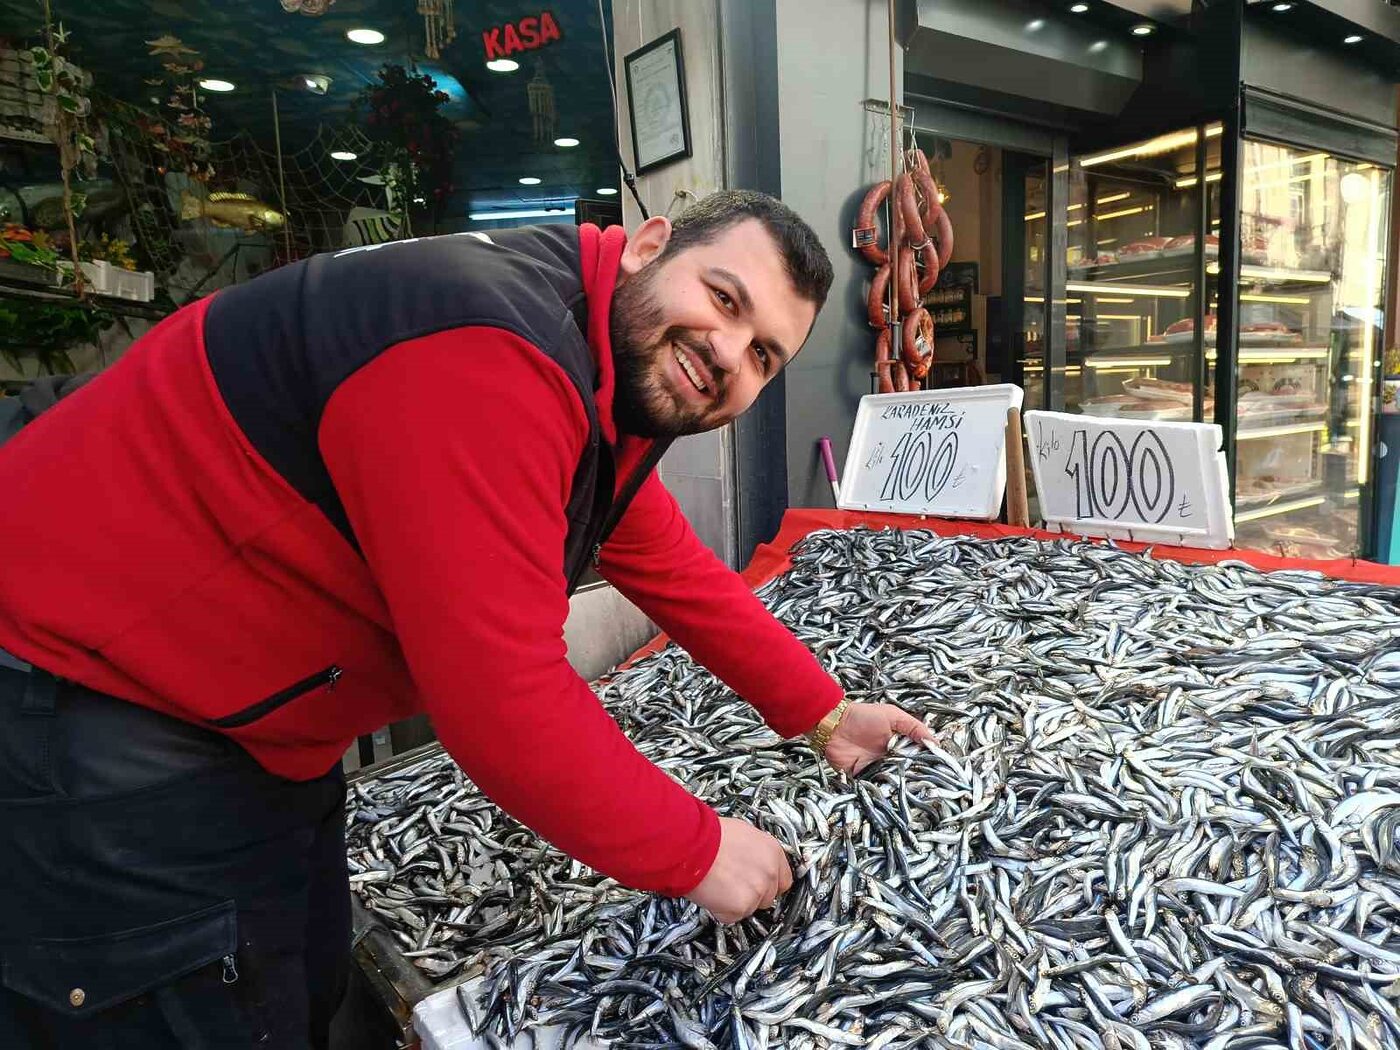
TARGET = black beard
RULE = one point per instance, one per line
(642, 405)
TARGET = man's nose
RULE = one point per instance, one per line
(728, 347)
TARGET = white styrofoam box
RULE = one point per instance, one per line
(1135, 479)
(938, 452)
(440, 1024)
(96, 275)
(137, 285)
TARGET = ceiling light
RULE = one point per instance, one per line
(529, 180)
(566, 143)
(1144, 29)
(1280, 8)
(1098, 45)
(522, 213)
(1035, 25)
(607, 191)
(1078, 9)
(1162, 144)
(343, 154)
(1355, 38)
(503, 65)
(560, 211)
(216, 85)
(365, 36)
(316, 83)
(1102, 287)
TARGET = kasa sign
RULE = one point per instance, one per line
(528, 34)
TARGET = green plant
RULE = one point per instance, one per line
(108, 249)
(22, 246)
(46, 331)
(412, 141)
(71, 133)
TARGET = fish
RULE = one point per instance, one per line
(1159, 810)
(237, 210)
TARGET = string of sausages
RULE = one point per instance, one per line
(922, 238)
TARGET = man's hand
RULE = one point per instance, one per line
(750, 872)
(864, 735)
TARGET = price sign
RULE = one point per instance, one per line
(1132, 479)
(940, 452)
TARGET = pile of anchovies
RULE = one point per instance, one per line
(1161, 810)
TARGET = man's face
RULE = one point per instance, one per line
(697, 336)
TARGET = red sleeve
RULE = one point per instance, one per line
(454, 455)
(656, 560)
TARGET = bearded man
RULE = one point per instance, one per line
(356, 488)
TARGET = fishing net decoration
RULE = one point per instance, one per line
(197, 237)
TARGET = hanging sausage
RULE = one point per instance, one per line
(918, 247)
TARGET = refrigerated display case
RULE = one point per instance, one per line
(1135, 274)
(1313, 233)
(1143, 223)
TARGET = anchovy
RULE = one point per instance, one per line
(1161, 809)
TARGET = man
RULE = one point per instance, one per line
(356, 488)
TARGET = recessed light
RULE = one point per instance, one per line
(1035, 25)
(607, 191)
(1078, 9)
(343, 154)
(216, 85)
(365, 36)
(316, 83)
(503, 65)
(1144, 29)
(529, 180)
(566, 142)
(1353, 39)
(1280, 8)
(1098, 45)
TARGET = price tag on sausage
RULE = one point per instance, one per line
(1145, 480)
(939, 452)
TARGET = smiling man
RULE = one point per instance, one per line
(356, 488)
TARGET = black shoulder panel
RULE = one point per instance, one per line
(280, 345)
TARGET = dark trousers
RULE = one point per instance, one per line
(159, 888)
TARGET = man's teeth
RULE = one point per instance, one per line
(690, 370)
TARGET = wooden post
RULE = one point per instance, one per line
(1018, 510)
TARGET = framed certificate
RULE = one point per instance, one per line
(656, 102)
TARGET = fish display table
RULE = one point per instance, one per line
(1161, 810)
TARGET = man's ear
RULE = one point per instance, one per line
(647, 242)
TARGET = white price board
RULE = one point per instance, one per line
(1143, 480)
(939, 452)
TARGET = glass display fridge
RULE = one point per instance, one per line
(1143, 227)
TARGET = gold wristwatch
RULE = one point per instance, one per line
(820, 736)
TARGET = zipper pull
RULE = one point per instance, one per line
(230, 970)
(333, 676)
(597, 554)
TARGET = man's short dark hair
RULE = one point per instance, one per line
(804, 257)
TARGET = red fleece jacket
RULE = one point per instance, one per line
(457, 606)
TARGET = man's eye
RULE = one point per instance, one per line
(724, 299)
(762, 352)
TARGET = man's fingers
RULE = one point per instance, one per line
(906, 724)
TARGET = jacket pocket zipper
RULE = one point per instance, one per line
(262, 708)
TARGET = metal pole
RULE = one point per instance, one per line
(281, 176)
(895, 151)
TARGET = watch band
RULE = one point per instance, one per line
(820, 735)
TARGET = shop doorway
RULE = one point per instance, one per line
(990, 303)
